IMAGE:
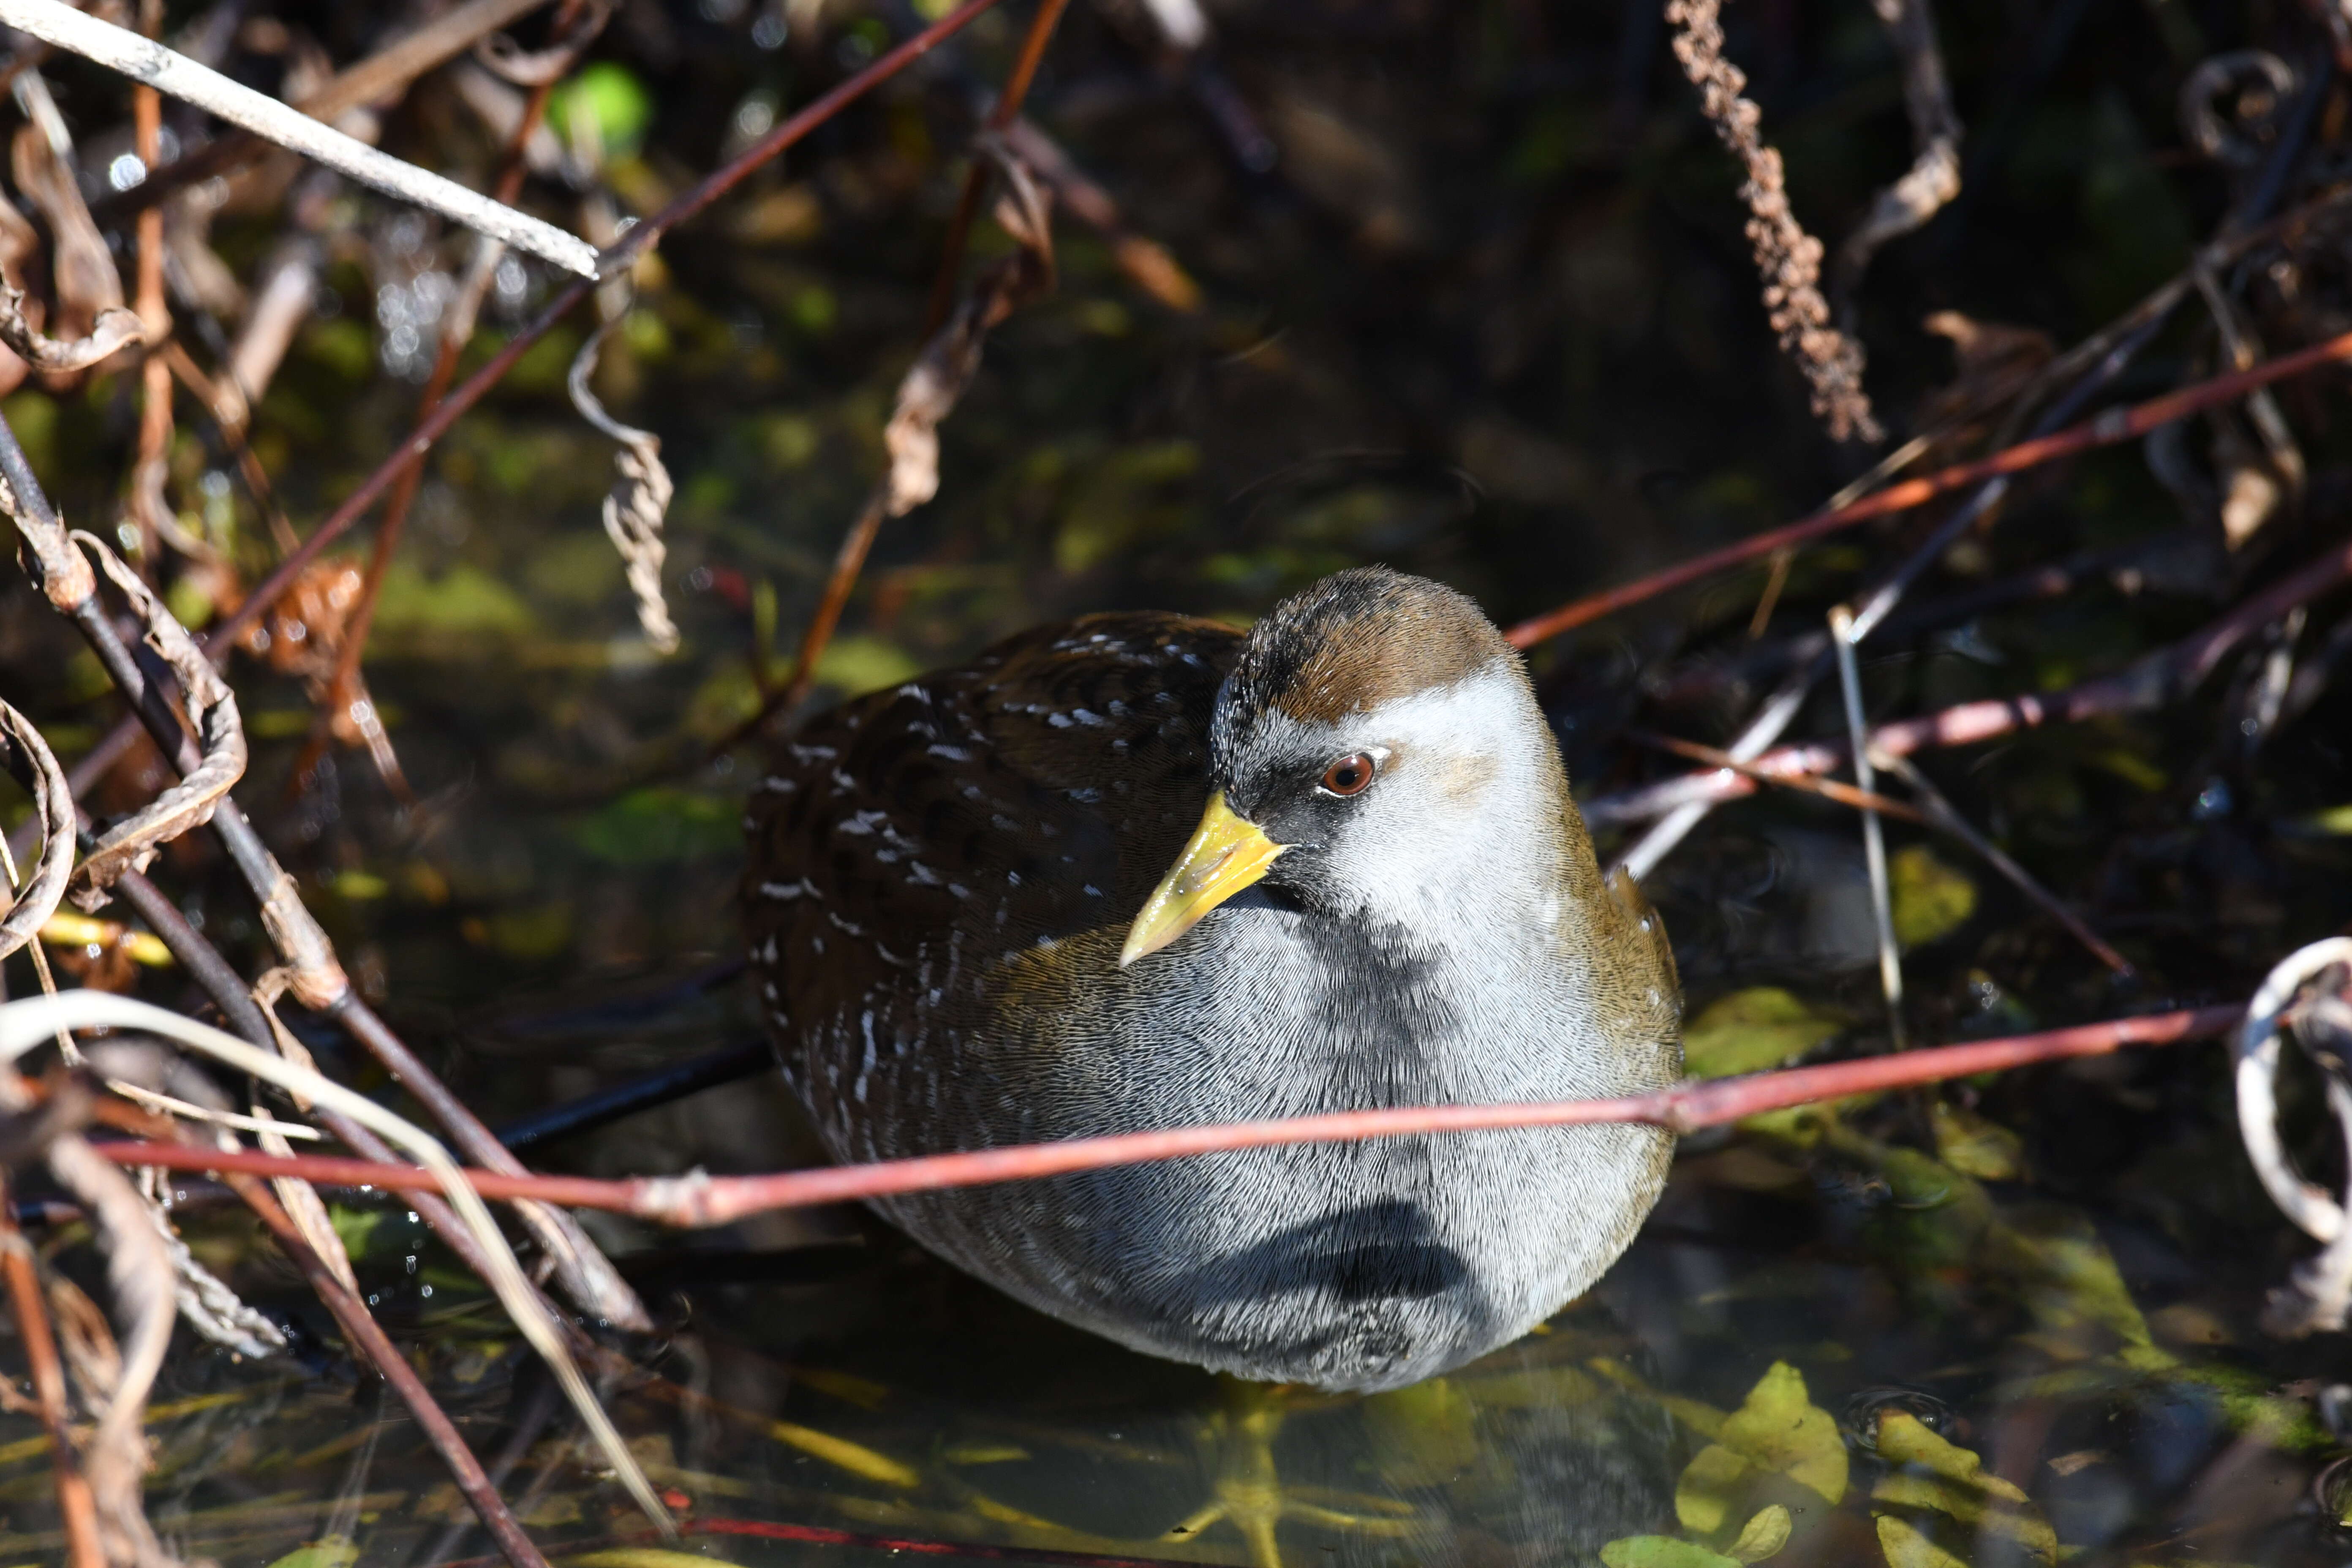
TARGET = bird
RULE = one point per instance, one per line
(1137, 870)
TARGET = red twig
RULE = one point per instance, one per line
(76, 1507)
(849, 560)
(342, 686)
(1685, 1108)
(2105, 429)
(2147, 683)
(975, 180)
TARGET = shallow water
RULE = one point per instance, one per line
(1491, 322)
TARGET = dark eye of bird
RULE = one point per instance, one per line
(1350, 774)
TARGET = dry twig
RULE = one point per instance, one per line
(145, 60)
(1934, 177)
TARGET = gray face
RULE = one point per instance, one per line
(1430, 808)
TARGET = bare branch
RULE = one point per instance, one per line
(166, 71)
(138, 1268)
(26, 1024)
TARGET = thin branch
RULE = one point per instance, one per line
(1017, 82)
(74, 1503)
(377, 77)
(1828, 789)
(1934, 177)
(167, 71)
(2106, 429)
(26, 1024)
(928, 394)
(1946, 815)
(702, 1200)
(633, 245)
(1842, 636)
(343, 686)
(368, 1340)
(2149, 682)
(138, 1269)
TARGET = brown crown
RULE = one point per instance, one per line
(1360, 639)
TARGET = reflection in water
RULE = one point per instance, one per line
(1858, 1373)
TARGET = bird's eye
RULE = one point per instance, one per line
(1350, 774)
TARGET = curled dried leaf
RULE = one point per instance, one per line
(948, 362)
(28, 757)
(114, 330)
(501, 55)
(639, 501)
(210, 706)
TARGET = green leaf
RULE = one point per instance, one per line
(1781, 1428)
(1704, 1496)
(1906, 1548)
(857, 665)
(614, 103)
(1932, 1473)
(1931, 899)
(334, 1551)
(660, 824)
(1974, 1146)
(1777, 1431)
(1661, 1552)
(1764, 1535)
(1749, 1030)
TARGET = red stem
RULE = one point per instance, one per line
(2145, 684)
(2103, 429)
(1685, 1108)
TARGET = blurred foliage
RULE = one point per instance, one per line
(1748, 1031)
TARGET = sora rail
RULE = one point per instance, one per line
(1137, 871)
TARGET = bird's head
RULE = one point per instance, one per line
(1376, 753)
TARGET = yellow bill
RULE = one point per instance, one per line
(1227, 854)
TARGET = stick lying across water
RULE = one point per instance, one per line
(700, 1200)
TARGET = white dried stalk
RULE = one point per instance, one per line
(173, 1105)
(28, 1023)
(143, 59)
(2312, 1208)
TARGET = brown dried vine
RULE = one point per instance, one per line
(1788, 258)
